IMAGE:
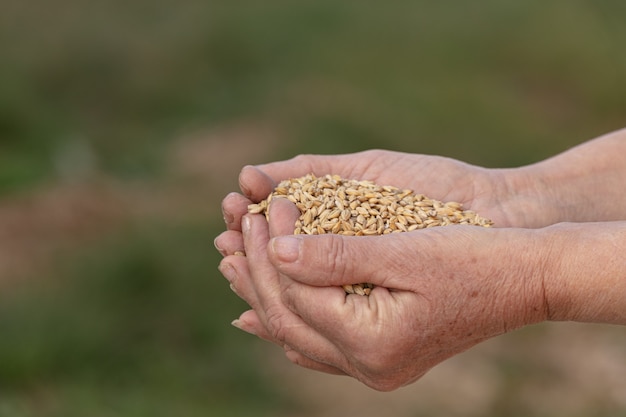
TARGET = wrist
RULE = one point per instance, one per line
(524, 254)
(514, 270)
(585, 278)
(582, 184)
(529, 200)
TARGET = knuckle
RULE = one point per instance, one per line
(304, 160)
(275, 323)
(375, 153)
(336, 256)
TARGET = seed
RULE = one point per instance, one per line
(331, 204)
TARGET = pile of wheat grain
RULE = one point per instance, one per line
(331, 204)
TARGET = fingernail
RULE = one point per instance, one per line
(217, 246)
(233, 289)
(228, 218)
(242, 326)
(245, 224)
(286, 248)
(244, 188)
(291, 354)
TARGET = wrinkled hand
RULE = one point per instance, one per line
(438, 292)
(494, 193)
(507, 196)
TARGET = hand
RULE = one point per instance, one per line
(499, 194)
(509, 197)
(503, 196)
(438, 292)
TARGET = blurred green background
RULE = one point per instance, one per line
(124, 123)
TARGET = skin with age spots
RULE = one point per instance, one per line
(556, 253)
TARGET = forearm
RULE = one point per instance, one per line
(585, 276)
(585, 183)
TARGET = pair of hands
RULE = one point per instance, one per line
(437, 292)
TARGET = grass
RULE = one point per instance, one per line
(138, 325)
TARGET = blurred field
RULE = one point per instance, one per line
(123, 124)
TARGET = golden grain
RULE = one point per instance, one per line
(331, 204)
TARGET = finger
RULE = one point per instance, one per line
(263, 278)
(283, 215)
(282, 324)
(258, 181)
(255, 184)
(334, 260)
(344, 165)
(229, 242)
(235, 269)
(234, 206)
(323, 308)
(306, 362)
(249, 322)
(349, 320)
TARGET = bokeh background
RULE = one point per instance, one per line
(124, 123)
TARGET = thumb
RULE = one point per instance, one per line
(334, 260)
(255, 184)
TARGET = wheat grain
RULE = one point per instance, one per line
(331, 204)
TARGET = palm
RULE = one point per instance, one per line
(437, 177)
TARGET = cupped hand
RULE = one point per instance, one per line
(506, 196)
(437, 292)
(509, 197)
